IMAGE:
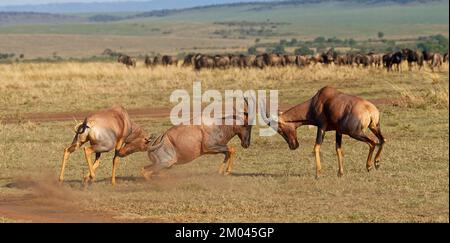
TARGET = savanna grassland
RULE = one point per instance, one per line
(211, 30)
(270, 183)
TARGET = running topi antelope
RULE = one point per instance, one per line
(106, 130)
(331, 110)
(184, 143)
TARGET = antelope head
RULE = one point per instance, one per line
(288, 130)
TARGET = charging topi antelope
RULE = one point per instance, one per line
(106, 130)
(332, 110)
(184, 143)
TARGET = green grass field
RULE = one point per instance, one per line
(194, 30)
(270, 183)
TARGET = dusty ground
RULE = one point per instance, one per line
(270, 183)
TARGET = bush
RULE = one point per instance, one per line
(319, 39)
(252, 50)
(303, 51)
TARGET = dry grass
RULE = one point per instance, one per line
(271, 183)
(72, 45)
(72, 86)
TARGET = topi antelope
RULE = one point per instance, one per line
(331, 110)
(184, 143)
(106, 130)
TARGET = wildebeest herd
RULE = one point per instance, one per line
(390, 61)
(328, 110)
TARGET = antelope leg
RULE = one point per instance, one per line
(116, 161)
(362, 137)
(339, 154)
(67, 152)
(94, 166)
(232, 152)
(319, 140)
(87, 153)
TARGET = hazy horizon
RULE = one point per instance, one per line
(36, 2)
(39, 2)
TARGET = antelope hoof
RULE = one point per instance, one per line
(147, 175)
(369, 168)
(317, 177)
(340, 173)
(377, 165)
(86, 179)
(227, 173)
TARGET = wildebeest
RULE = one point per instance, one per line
(290, 59)
(157, 60)
(169, 60)
(361, 59)
(221, 61)
(148, 61)
(302, 61)
(328, 57)
(436, 61)
(188, 60)
(106, 130)
(331, 110)
(127, 60)
(341, 60)
(246, 61)
(427, 56)
(184, 143)
(260, 62)
(377, 59)
(413, 56)
(391, 59)
(317, 58)
(234, 60)
(204, 61)
(274, 60)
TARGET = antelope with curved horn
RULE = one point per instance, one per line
(106, 130)
(184, 143)
(331, 110)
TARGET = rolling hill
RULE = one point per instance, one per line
(222, 28)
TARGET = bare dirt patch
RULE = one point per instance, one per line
(47, 201)
(157, 112)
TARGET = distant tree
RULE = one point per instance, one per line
(380, 35)
(293, 42)
(252, 50)
(442, 40)
(422, 46)
(283, 42)
(279, 49)
(257, 40)
(21, 56)
(303, 51)
(319, 39)
(352, 42)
